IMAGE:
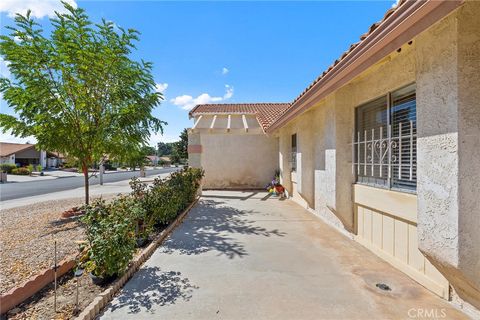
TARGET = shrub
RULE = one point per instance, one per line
(167, 197)
(7, 167)
(21, 171)
(39, 168)
(110, 233)
(112, 229)
(30, 168)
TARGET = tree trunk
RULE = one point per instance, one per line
(85, 176)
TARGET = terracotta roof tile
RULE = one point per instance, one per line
(266, 113)
(7, 148)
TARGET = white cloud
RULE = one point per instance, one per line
(228, 92)
(4, 72)
(225, 70)
(157, 137)
(188, 102)
(161, 87)
(8, 137)
(39, 8)
(395, 3)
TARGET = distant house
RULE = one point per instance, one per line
(55, 159)
(152, 159)
(164, 161)
(23, 154)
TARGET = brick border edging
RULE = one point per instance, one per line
(34, 284)
(94, 308)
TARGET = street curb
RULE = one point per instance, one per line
(94, 308)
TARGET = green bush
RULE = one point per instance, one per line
(39, 168)
(167, 197)
(110, 232)
(30, 168)
(21, 171)
(113, 229)
(7, 167)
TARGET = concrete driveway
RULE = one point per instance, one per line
(244, 255)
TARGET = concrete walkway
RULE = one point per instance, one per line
(244, 255)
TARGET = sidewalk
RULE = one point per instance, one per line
(95, 190)
(53, 174)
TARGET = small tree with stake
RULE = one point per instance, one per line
(78, 92)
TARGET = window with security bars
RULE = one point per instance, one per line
(385, 141)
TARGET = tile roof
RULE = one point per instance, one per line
(7, 148)
(267, 113)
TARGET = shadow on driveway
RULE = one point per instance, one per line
(214, 226)
(153, 287)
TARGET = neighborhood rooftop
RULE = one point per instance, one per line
(7, 148)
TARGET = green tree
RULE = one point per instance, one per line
(135, 158)
(182, 145)
(165, 149)
(149, 150)
(180, 152)
(78, 91)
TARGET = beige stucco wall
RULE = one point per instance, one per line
(324, 136)
(235, 160)
(444, 62)
(448, 82)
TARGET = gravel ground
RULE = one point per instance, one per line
(27, 239)
(41, 305)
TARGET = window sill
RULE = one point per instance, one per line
(410, 191)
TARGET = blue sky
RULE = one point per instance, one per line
(225, 51)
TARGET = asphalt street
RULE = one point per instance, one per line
(10, 191)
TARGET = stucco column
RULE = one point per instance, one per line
(43, 158)
(284, 141)
(194, 149)
(344, 126)
(448, 147)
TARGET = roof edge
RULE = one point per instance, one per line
(191, 112)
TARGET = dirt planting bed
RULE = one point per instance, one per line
(41, 305)
(27, 239)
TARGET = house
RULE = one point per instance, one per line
(152, 159)
(55, 159)
(384, 145)
(229, 142)
(164, 161)
(23, 154)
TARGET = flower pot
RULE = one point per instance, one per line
(100, 281)
(141, 242)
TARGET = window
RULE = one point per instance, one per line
(293, 153)
(385, 142)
